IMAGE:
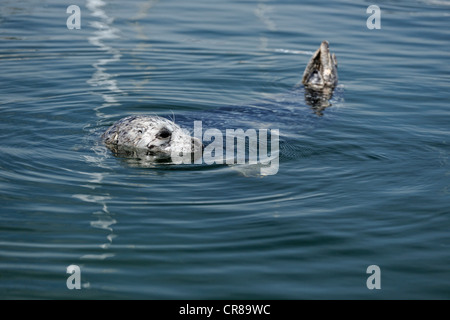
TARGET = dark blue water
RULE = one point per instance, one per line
(366, 183)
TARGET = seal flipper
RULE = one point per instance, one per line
(320, 78)
(321, 71)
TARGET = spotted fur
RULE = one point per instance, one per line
(153, 134)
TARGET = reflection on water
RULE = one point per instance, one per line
(318, 100)
(263, 11)
(108, 88)
(142, 45)
(101, 78)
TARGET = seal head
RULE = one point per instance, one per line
(151, 136)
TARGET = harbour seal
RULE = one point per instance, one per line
(151, 137)
(155, 138)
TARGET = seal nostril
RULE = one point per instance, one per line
(151, 146)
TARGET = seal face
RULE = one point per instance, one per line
(150, 135)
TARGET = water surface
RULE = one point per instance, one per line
(367, 183)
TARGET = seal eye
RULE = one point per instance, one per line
(164, 133)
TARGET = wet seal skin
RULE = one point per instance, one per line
(150, 137)
(320, 78)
